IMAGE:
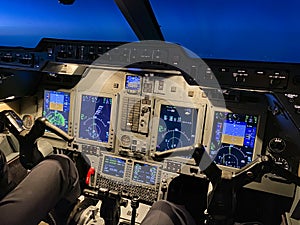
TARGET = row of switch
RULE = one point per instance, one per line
(17, 58)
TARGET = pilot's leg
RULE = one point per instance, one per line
(167, 213)
(6, 184)
(52, 181)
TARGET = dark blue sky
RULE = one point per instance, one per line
(26, 22)
(264, 30)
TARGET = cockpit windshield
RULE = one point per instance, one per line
(25, 23)
(216, 29)
(236, 30)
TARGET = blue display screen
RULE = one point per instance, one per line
(114, 166)
(95, 115)
(133, 83)
(177, 127)
(56, 108)
(233, 138)
(144, 173)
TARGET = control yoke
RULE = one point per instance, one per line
(32, 150)
(221, 201)
(15, 125)
(41, 124)
(252, 172)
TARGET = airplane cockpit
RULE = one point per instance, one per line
(195, 103)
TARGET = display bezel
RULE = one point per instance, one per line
(112, 176)
(133, 90)
(260, 112)
(70, 116)
(199, 123)
(113, 116)
(141, 183)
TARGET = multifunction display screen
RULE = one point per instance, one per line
(144, 173)
(114, 166)
(95, 114)
(176, 128)
(56, 108)
(233, 138)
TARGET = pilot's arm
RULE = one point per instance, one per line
(167, 213)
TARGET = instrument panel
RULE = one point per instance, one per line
(121, 117)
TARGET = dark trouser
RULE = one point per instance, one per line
(167, 213)
(6, 182)
(52, 181)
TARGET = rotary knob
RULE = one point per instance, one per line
(277, 145)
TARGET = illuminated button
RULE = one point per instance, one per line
(297, 108)
(260, 72)
(223, 69)
(176, 59)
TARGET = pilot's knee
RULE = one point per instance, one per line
(4, 183)
(3, 164)
(66, 171)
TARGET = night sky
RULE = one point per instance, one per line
(257, 30)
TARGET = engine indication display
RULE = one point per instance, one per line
(177, 127)
(233, 138)
(56, 108)
(95, 117)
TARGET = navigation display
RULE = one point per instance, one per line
(114, 166)
(233, 138)
(177, 127)
(56, 108)
(95, 116)
(144, 173)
